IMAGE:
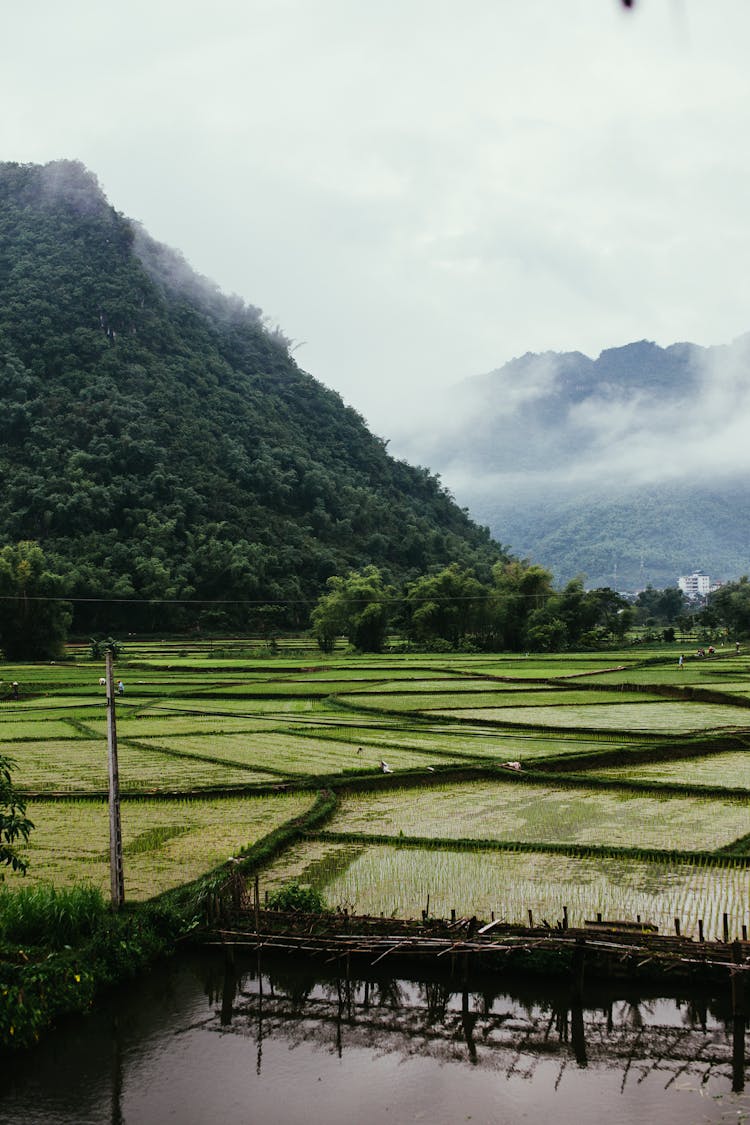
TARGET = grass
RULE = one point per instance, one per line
(44, 914)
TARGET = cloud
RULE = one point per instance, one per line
(615, 438)
(418, 195)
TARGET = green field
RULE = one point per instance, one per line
(728, 771)
(165, 842)
(228, 725)
(511, 811)
(378, 879)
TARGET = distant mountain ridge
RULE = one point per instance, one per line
(629, 468)
(161, 443)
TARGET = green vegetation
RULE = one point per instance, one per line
(454, 610)
(33, 623)
(159, 441)
(375, 781)
(297, 896)
(15, 826)
(39, 985)
(356, 605)
(45, 915)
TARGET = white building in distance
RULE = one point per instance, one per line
(695, 585)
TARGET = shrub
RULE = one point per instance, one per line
(297, 896)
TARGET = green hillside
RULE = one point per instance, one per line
(642, 536)
(161, 443)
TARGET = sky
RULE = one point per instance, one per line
(414, 191)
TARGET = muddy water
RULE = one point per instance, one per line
(199, 1041)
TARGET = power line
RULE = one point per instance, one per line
(446, 598)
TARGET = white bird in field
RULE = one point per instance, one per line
(385, 768)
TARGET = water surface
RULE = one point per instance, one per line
(199, 1040)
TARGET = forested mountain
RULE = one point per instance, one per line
(160, 443)
(627, 469)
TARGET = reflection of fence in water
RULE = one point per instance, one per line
(501, 1033)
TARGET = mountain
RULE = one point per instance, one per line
(161, 443)
(629, 468)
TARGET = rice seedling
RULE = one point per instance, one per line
(194, 718)
(461, 744)
(244, 706)
(30, 729)
(397, 881)
(70, 841)
(81, 767)
(663, 717)
(729, 770)
(167, 723)
(291, 755)
(514, 811)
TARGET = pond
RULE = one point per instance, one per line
(200, 1039)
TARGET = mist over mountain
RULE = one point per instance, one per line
(629, 468)
(160, 442)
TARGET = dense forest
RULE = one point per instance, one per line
(164, 449)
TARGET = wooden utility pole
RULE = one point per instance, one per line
(117, 879)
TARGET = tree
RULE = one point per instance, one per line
(33, 617)
(546, 635)
(100, 647)
(661, 605)
(729, 606)
(518, 590)
(449, 605)
(14, 824)
(671, 604)
(358, 605)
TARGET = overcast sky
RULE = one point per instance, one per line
(415, 190)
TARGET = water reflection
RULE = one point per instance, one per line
(490, 1027)
(242, 1041)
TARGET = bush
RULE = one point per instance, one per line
(297, 896)
(37, 988)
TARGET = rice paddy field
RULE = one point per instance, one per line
(165, 844)
(450, 774)
(389, 880)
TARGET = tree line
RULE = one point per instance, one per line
(452, 609)
(517, 609)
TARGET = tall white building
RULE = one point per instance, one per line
(695, 585)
